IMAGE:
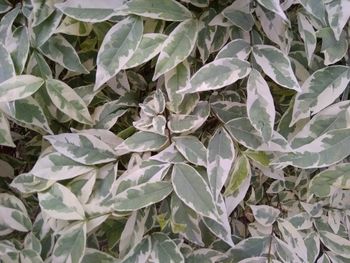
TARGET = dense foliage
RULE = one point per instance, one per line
(174, 131)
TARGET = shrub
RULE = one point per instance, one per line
(173, 131)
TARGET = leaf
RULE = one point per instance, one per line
(58, 49)
(88, 11)
(165, 249)
(260, 105)
(60, 203)
(13, 213)
(206, 34)
(55, 166)
(70, 246)
(169, 155)
(177, 47)
(240, 173)
(143, 142)
(217, 74)
(41, 10)
(326, 150)
(140, 253)
(192, 189)
(276, 65)
(337, 15)
(43, 31)
(238, 48)
(308, 35)
(5, 133)
(20, 48)
(82, 148)
(93, 255)
(239, 15)
(118, 46)
(182, 215)
(333, 50)
(27, 183)
(7, 68)
(264, 214)
(192, 149)
(29, 255)
(70, 26)
(149, 47)
(19, 87)
(274, 6)
(142, 195)
(220, 156)
(168, 10)
(68, 101)
(336, 243)
(336, 176)
(28, 113)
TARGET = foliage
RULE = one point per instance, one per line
(174, 131)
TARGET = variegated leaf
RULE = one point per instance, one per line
(260, 105)
(338, 14)
(143, 142)
(55, 166)
(70, 246)
(115, 50)
(13, 213)
(165, 249)
(168, 10)
(7, 68)
(276, 65)
(217, 74)
(19, 87)
(192, 149)
(238, 48)
(177, 47)
(82, 148)
(70, 26)
(182, 215)
(238, 13)
(336, 243)
(88, 11)
(60, 203)
(27, 183)
(5, 134)
(206, 34)
(220, 156)
(58, 49)
(320, 90)
(192, 189)
(142, 195)
(264, 214)
(68, 101)
(308, 35)
(42, 9)
(169, 155)
(139, 253)
(337, 176)
(93, 255)
(274, 6)
(149, 47)
(19, 48)
(240, 172)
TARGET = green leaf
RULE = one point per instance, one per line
(220, 156)
(58, 49)
(13, 213)
(60, 203)
(55, 166)
(19, 87)
(168, 10)
(260, 105)
(217, 74)
(117, 48)
(192, 149)
(70, 26)
(276, 65)
(68, 101)
(70, 246)
(177, 47)
(240, 173)
(88, 11)
(192, 189)
(336, 177)
(320, 90)
(82, 148)
(142, 195)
